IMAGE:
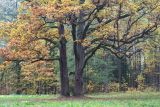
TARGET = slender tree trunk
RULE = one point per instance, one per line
(119, 74)
(18, 74)
(63, 63)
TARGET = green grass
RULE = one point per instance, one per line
(25, 97)
(136, 99)
(132, 95)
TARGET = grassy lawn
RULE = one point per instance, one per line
(134, 99)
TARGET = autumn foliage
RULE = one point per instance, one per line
(43, 28)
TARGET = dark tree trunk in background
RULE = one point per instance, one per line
(18, 77)
(122, 72)
(119, 62)
(63, 63)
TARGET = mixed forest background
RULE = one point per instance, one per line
(73, 47)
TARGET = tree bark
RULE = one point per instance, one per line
(63, 63)
(79, 61)
(79, 57)
(79, 34)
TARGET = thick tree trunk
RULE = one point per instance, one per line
(79, 60)
(77, 34)
(63, 64)
(79, 53)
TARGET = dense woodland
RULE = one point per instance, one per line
(75, 47)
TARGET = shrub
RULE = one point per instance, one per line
(113, 87)
(140, 81)
(124, 87)
(150, 89)
(90, 86)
